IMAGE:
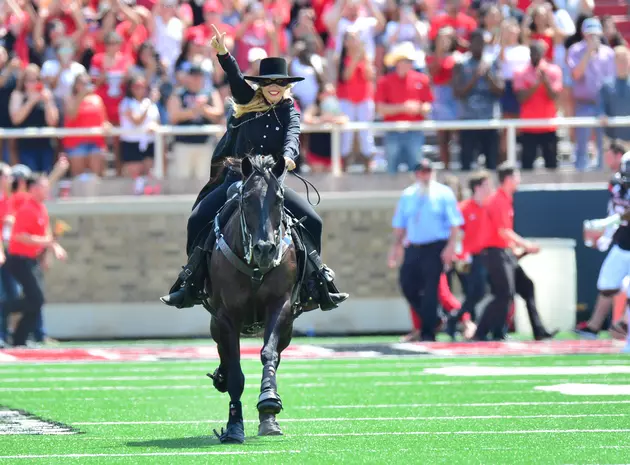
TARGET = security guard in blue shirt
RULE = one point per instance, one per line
(425, 225)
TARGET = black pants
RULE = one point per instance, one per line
(206, 210)
(419, 280)
(547, 142)
(28, 273)
(475, 286)
(507, 278)
(473, 143)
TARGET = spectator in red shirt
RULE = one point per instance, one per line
(440, 65)
(506, 275)
(355, 90)
(256, 30)
(538, 87)
(132, 29)
(20, 23)
(403, 95)
(540, 25)
(474, 228)
(85, 109)
(109, 73)
(212, 15)
(453, 17)
(31, 236)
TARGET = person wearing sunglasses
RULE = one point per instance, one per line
(263, 121)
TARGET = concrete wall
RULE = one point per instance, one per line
(124, 253)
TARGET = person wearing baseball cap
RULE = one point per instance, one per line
(426, 225)
(592, 64)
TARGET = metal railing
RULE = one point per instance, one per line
(335, 130)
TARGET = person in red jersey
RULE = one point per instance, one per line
(538, 86)
(455, 18)
(476, 223)
(403, 95)
(109, 73)
(212, 10)
(506, 276)
(31, 236)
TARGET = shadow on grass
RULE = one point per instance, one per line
(195, 442)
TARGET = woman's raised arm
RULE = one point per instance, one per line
(241, 90)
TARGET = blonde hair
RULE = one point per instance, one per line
(257, 104)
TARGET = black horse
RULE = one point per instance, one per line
(253, 281)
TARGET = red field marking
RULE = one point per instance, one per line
(522, 348)
(305, 352)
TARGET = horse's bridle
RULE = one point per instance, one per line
(246, 237)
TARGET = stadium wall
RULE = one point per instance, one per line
(125, 251)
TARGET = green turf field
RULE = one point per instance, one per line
(399, 410)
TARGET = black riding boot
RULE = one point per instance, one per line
(188, 290)
(320, 286)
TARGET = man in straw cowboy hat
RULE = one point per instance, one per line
(403, 95)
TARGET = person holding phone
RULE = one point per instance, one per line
(591, 64)
(33, 106)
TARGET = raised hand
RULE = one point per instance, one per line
(218, 41)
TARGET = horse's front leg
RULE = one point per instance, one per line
(278, 332)
(229, 347)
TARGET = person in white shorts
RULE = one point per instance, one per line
(616, 266)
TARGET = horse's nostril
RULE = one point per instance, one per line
(264, 249)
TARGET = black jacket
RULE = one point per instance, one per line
(275, 132)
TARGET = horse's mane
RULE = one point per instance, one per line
(260, 163)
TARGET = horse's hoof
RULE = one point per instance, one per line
(234, 434)
(218, 380)
(269, 427)
(269, 402)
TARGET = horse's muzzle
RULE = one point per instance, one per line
(264, 253)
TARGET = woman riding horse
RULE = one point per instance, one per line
(264, 121)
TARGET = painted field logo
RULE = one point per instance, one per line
(21, 422)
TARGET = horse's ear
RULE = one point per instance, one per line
(279, 167)
(246, 167)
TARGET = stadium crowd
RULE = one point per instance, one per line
(141, 63)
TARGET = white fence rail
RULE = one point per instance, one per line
(511, 125)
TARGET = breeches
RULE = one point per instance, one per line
(206, 210)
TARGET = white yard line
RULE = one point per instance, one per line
(476, 404)
(345, 419)
(470, 433)
(168, 367)
(136, 388)
(280, 379)
(149, 454)
(430, 360)
(218, 395)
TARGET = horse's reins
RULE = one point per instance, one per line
(306, 184)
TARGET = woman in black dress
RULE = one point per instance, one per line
(264, 121)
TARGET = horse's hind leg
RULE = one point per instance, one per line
(278, 331)
(229, 348)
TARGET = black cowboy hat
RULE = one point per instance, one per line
(273, 68)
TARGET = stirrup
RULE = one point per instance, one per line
(187, 290)
(320, 286)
